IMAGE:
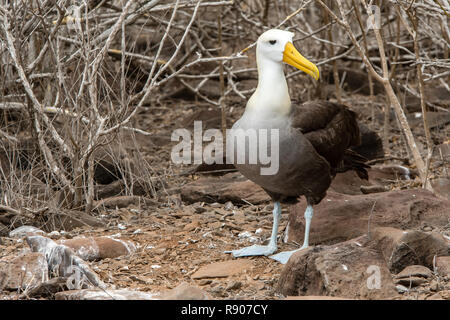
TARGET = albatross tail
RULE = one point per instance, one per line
(356, 162)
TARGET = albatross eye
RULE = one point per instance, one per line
(272, 42)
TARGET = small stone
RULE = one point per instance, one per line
(96, 248)
(215, 205)
(191, 226)
(435, 296)
(373, 189)
(415, 271)
(260, 285)
(245, 234)
(175, 199)
(219, 291)
(185, 292)
(411, 281)
(159, 251)
(229, 206)
(215, 225)
(239, 217)
(199, 209)
(204, 282)
(434, 285)
(54, 234)
(401, 289)
(445, 294)
(234, 285)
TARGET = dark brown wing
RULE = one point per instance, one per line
(332, 129)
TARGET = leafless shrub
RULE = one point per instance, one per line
(75, 74)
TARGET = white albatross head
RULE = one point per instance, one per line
(271, 97)
(276, 45)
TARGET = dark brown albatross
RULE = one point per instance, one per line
(311, 143)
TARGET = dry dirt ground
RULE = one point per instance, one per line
(174, 239)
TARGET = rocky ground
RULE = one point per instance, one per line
(381, 239)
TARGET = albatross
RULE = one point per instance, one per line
(313, 138)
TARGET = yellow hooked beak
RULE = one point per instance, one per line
(292, 57)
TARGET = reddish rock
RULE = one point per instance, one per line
(185, 291)
(223, 269)
(231, 187)
(48, 288)
(411, 281)
(415, 271)
(443, 265)
(234, 187)
(191, 226)
(348, 183)
(123, 202)
(373, 189)
(404, 248)
(24, 272)
(99, 247)
(380, 177)
(342, 217)
(350, 270)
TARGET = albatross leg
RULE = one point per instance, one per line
(283, 257)
(257, 250)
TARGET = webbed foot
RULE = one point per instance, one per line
(254, 250)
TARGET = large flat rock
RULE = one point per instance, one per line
(347, 270)
(223, 269)
(341, 217)
(96, 248)
(24, 272)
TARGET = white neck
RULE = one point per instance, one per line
(272, 94)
